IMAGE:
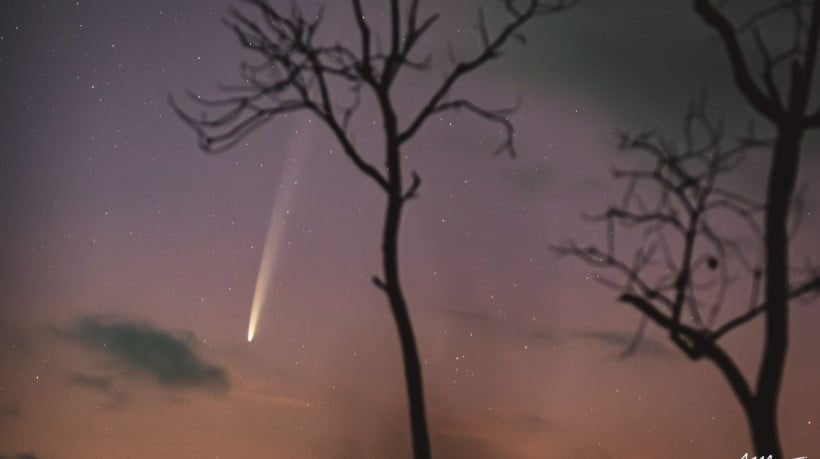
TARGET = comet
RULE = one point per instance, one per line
(276, 228)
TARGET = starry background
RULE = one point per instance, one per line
(129, 258)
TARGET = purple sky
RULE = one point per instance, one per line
(115, 223)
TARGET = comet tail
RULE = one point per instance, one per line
(276, 228)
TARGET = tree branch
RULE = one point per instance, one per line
(695, 346)
(807, 287)
(740, 69)
(488, 53)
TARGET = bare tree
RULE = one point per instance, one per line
(679, 276)
(328, 80)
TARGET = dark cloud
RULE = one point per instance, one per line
(348, 450)
(11, 410)
(20, 456)
(477, 317)
(530, 423)
(637, 78)
(544, 336)
(647, 346)
(141, 347)
(500, 324)
(591, 452)
(530, 179)
(102, 384)
(460, 445)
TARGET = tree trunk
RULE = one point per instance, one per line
(392, 288)
(398, 306)
(765, 438)
(781, 185)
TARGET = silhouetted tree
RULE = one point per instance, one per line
(299, 74)
(685, 257)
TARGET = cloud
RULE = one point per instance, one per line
(11, 410)
(530, 179)
(647, 346)
(529, 423)
(506, 328)
(591, 452)
(543, 336)
(147, 350)
(103, 384)
(20, 456)
(475, 447)
(257, 398)
(478, 317)
(631, 76)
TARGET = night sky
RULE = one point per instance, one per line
(129, 257)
